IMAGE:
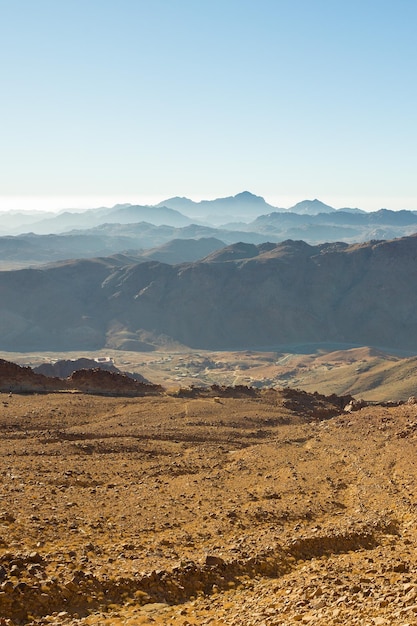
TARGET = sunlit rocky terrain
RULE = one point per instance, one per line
(360, 371)
(206, 506)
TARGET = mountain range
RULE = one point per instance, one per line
(134, 229)
(241, 296)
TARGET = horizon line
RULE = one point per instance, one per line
(77, 202)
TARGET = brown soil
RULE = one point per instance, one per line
(256, 508)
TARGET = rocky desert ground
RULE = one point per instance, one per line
(219, 506)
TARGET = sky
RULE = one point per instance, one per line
(108, 101)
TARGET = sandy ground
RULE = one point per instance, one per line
(209, 510)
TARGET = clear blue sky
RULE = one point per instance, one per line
(140, 100)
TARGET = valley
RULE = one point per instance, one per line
(247, 457)
(367, 373)
(208, 396)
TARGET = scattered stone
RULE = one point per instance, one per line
(214, 561)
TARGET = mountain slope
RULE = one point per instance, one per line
(285, 294)
(106, 239)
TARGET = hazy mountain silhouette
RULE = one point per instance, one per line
(342, 225)
(16, 221)
(110, 238)
(313, 220)
(119, 214)
(311, 207)
(243, 205)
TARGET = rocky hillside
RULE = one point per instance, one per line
(66, 367)
(245, 296)
(257, 508)
(14, 378)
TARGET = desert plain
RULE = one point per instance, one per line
(207, 506)
(373, 374)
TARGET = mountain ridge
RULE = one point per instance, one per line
(243, 206)
(134, 238)
(289, 292)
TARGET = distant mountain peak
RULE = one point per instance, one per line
(247, 195)
(311, 207)
(176, 201)
(242, 204)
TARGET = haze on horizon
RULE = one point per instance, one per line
(57, 204)
(142, 100)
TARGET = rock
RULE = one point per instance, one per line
(214, 561)
(35, 557)
(14, 571)
(401, 567)
(355, 405)
(7, 586)
(34, 569)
